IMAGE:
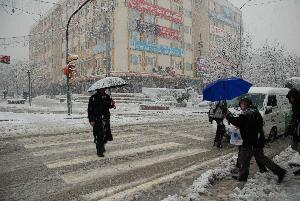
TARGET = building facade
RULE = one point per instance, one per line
(213, 19)
(120, 37)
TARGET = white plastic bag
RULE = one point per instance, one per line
(235, 137)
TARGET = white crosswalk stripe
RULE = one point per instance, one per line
(81, 176)
(72, 140)
(89, 145)
(122, 191)
(119, 153)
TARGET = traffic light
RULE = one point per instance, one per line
(65, 71)
(5, 59)
(72, 57)
(71, 70)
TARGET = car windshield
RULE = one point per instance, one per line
(257, 100)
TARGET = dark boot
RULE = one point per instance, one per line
(296, 173)
(239, 178)
(99, 148)
(281, 176)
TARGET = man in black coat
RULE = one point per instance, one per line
(250, 123)
(99, 118)
(294, 126)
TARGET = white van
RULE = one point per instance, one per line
(273, 106)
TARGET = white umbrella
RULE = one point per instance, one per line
(108, 82)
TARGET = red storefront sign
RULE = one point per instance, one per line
(144, 6)
(217, 31)
(157, 30)
(169, 33)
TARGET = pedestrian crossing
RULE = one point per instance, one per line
(124, 191)
(156, 155)
(119, 153)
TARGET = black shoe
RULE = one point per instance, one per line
(291, 165)
(281, 176)
(238, 178)
(100, 155)
(263, 170)
(296, 173)
(234, 171)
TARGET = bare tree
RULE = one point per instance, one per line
(271, 65)
(226, 59)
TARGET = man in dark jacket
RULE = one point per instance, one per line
(294, 126)
(99, 118)
(250, 123)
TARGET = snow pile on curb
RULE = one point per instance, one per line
(206, 180)
(264, 186)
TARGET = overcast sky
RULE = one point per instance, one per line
(263, 19)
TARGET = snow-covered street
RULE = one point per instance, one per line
(156, 155)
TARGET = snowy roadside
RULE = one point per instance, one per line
(263, 186)
(48, 116)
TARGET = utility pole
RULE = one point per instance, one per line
(107, 10)
(69, 101)
(29, 87)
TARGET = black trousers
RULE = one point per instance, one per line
(245, 156)
(220, 132)
(98, 132)
(261, 166)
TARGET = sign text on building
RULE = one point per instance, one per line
(156, 48)
(144, 6)
(157, 30)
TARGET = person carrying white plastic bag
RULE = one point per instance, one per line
(235, 137)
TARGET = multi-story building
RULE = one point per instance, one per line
(141, 38)
(213, 19)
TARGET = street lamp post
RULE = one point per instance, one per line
(69, 101)
(108, 9)
(29, 87)
(108, 46)
(240, 59)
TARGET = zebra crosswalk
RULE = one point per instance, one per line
(134, 162)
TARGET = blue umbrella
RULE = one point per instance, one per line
(226, 89)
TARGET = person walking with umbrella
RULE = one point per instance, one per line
(98, 111)
(99, 118)
(219, 91)
(250, 123)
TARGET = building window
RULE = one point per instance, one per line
(135, 36)
(188, 66)
(188, 46)
(176, 44)
(135, 15)
(187, 13)
(135, 59)
(149, 38)
(176, 7)
(187, 30)
(151, 1)
(176, 26)
(151, 61)
(98, 67)
(149, 18)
